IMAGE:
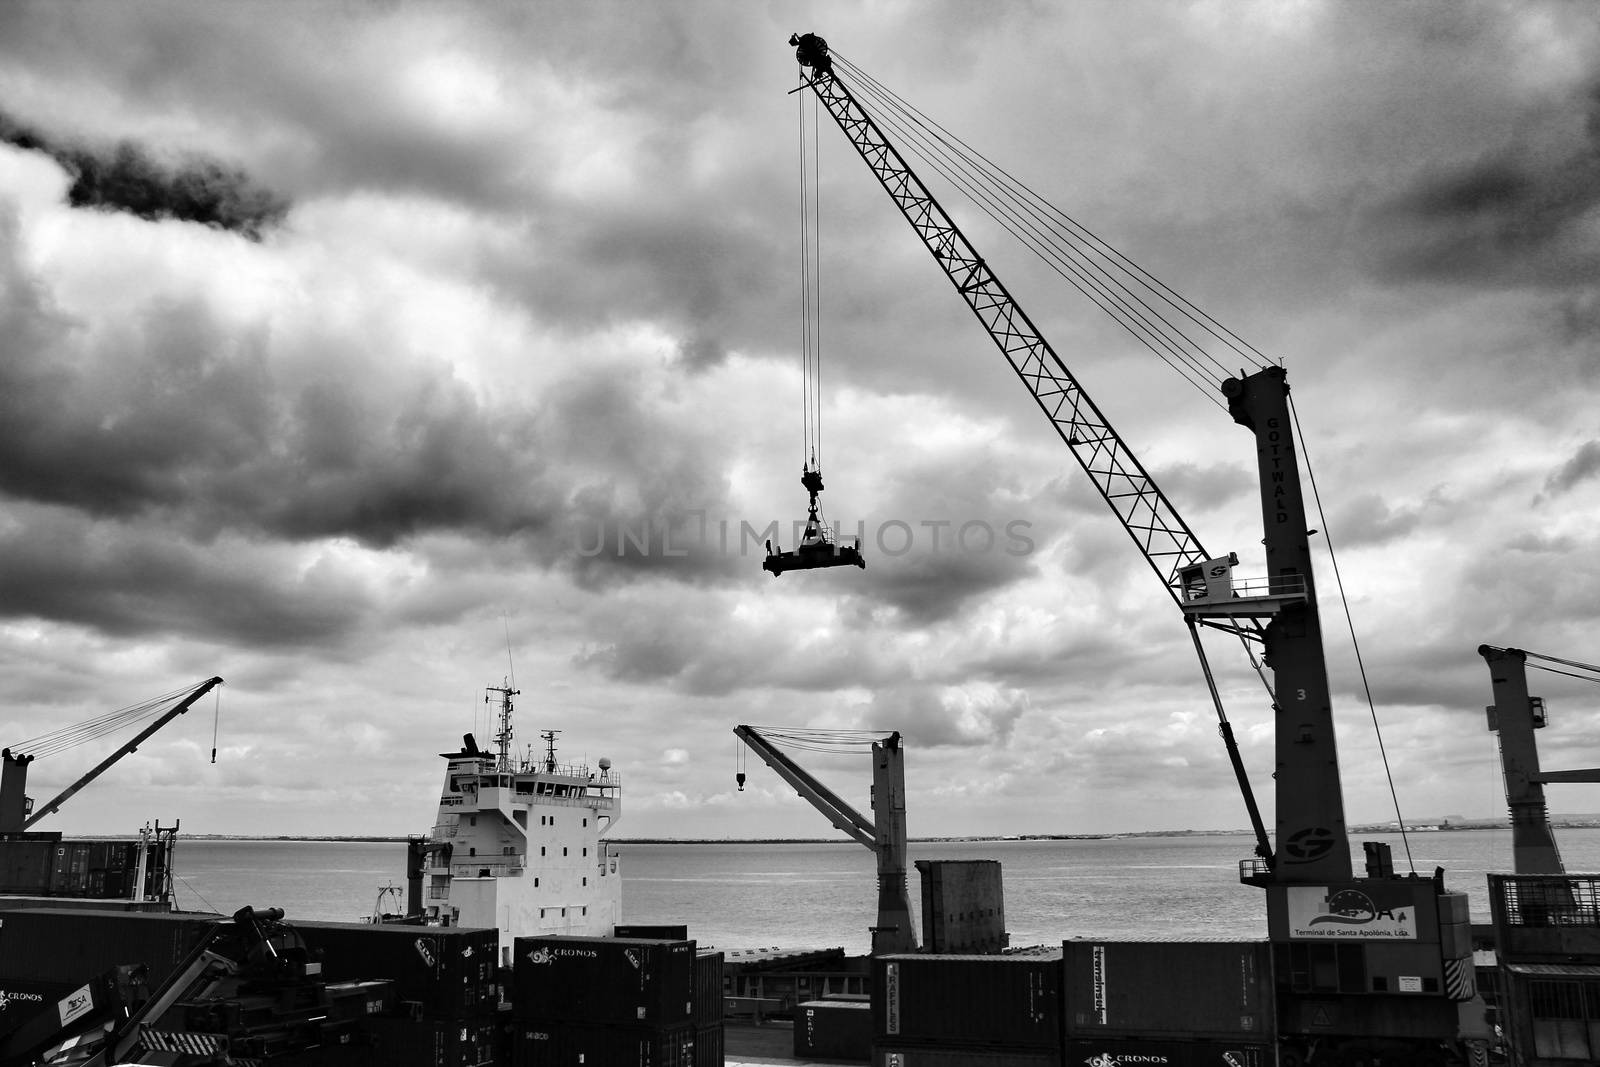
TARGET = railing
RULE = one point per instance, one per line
(1253, 868)
(1547, 900)
(1276, 585)
(487, 870)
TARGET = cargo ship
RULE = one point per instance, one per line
(518, 843)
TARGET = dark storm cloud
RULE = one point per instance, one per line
(131, 582)
(932, 586)
(128, 177)
(173, 426)
(933, 716)
(178, 417)
(1584, 464)
(1517, 213)
(1369, 519)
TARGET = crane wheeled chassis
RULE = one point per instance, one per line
(885, 835)
(1372, 966)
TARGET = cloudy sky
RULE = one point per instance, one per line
(367, 355)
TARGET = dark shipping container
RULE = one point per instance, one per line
(402, 1042)
(707, 988)
(449, 971)
(937, 1055)
(646, 932)
(1119, 1050)
(21, 1000)
(25, 866)
(76, 944)
(708, 1046)
(833, 1030)
(1187, 989)
(1008, 1001)
(604, 980)
(552, 1043)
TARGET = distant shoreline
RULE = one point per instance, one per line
(1588, 823)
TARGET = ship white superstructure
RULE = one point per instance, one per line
(518, 842)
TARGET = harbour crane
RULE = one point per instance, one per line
(1514, 716)
(884, 833)
(1368, 966)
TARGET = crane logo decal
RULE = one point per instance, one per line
(1373, 911)
(1308, 845)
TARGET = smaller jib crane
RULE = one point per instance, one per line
(885, 835)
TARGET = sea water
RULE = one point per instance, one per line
(735, 895)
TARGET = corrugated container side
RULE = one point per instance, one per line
(402, 1042)
(604, 980)
(76, 944)
(708, 1046)
(708, 988)
(886, 1054)
(449, 970)
(1123, 1050)
(1185, 989)
(553, 1043)
(833, 1030)
(1009, 1001)
(25, 866)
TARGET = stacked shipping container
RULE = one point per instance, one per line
(46, 953)
(1183, 1003)
(708, 1043)
(624, 1002)
(97, 869)
(971, 1011)
(445, 979)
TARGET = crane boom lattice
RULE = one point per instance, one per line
(1165, 540)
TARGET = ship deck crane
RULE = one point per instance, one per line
(18, 813)
(885, 834)
(1353, 996)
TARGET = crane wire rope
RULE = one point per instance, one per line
(1072, 250)
(810, 285)
(67, 737)
(1080, 256)
(1344, 602)
(820, 740)
(1564, 662)
(1076, 238)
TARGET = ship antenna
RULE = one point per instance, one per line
(511, 668)
(502, 738)
(549, 749)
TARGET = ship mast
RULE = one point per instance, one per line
(502, 737)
